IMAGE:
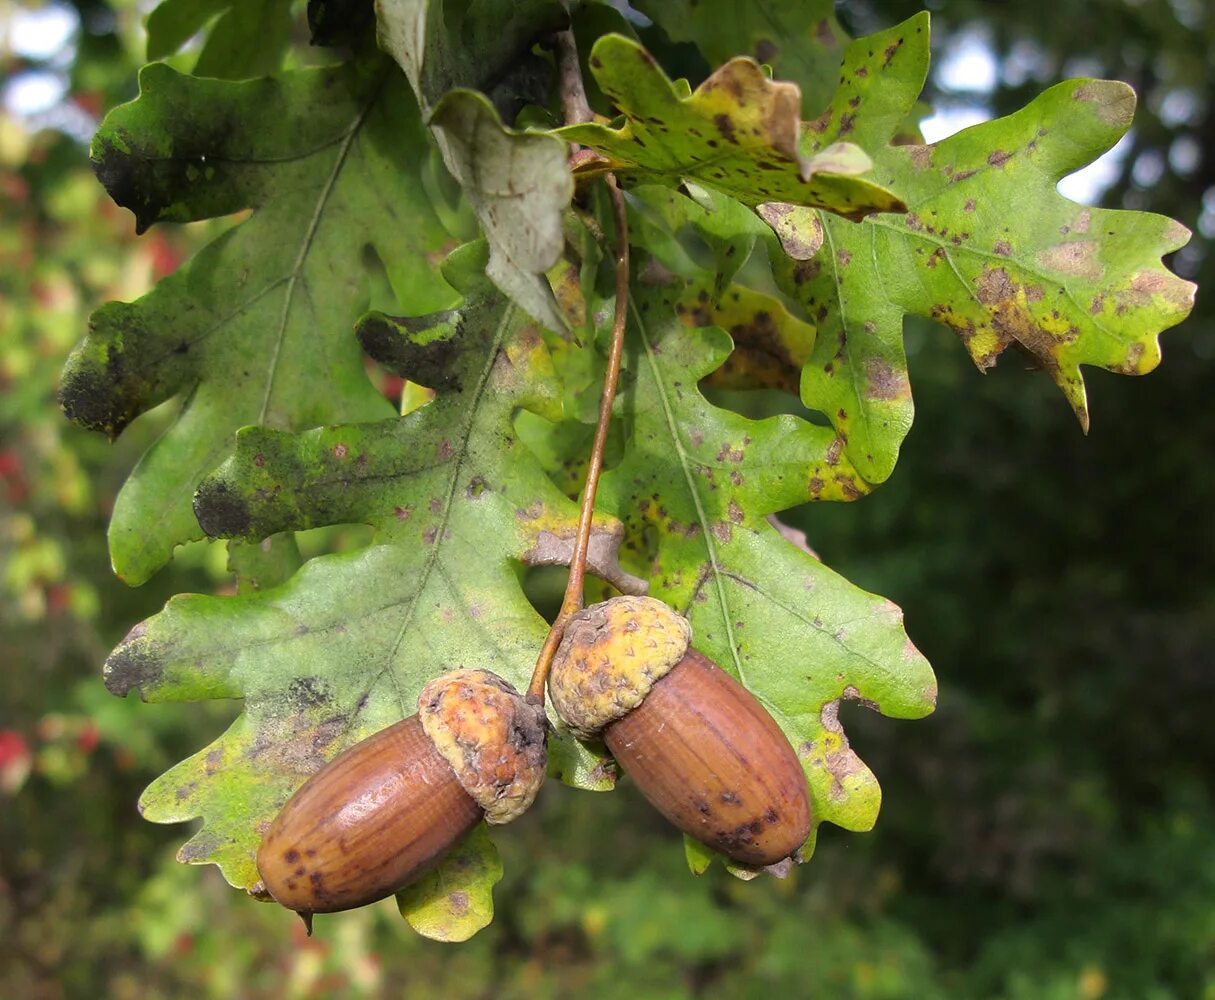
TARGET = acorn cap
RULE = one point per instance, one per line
(609, 658)
(491, 736)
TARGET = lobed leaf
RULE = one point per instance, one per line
(738, 132)
(992, 250)
(255, 329)
(246, 39)
(343, 647)
(800, 39)
(857, 373)
(988, 247)
(701, 482)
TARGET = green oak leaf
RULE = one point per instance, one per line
(738, 132)
(342, 648)
(455, 900)
(172, 23)
(991, 249)
(857, 374)
(800, 39)
(701, 482)
(518, 184)
(255, 329)
(444, 45)
(248, 38)
(987, 246)
(771, 346)
(661, 218)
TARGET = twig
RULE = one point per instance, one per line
(576, 109)
(574, 105)
(572, 601)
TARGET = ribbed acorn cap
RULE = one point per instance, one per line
(609, 658)
(490, 735)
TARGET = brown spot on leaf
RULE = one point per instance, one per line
(806, 270)
(884, 382)
(201, 847)
(799, 230)
(1130, 365)
(1146, 284)
(1077, 257)
(847, 487)
(729, 452)
(725, 127)
(920, 156)
(851, 693)
(1114, 102)
(994, 286)
(834, 450)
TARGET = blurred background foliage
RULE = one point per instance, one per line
(1045, 836)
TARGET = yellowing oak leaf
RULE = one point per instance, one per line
(738, 132)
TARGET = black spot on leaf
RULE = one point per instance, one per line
(221, 511)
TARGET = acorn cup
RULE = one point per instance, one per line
(697, 744)
(385, 811)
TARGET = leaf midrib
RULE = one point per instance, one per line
(305, 246)
(457, 464)
(684, 464)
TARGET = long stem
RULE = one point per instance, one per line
(574, 105)
(572, 601)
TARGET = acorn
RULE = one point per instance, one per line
(698, 745)
(385, 811)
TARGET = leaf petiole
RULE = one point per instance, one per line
(574, 101)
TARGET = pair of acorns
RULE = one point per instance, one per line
(698, 745)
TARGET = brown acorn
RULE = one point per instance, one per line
(698, 745)
(382, 813)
